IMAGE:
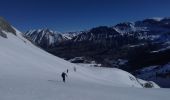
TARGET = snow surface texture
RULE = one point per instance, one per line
(29, 73)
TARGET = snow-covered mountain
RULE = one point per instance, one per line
(148, 29)
(151, 29)
(29, 73)
(70, 35)
(45, 38)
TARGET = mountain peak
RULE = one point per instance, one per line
(47, 30)
(45, 37)
(157, 18)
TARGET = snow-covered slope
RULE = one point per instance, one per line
(19, 57)
(29, 73)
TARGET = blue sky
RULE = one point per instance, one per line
(75, 15)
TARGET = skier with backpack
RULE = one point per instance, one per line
(64, 75)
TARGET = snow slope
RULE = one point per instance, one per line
(29, 73)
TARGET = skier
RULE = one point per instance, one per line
(67, 70)
(63, 75)
(74, 69)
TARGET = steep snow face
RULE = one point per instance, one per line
(45, 37)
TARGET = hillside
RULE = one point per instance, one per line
(29, 73)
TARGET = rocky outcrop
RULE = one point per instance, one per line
(5, 26)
